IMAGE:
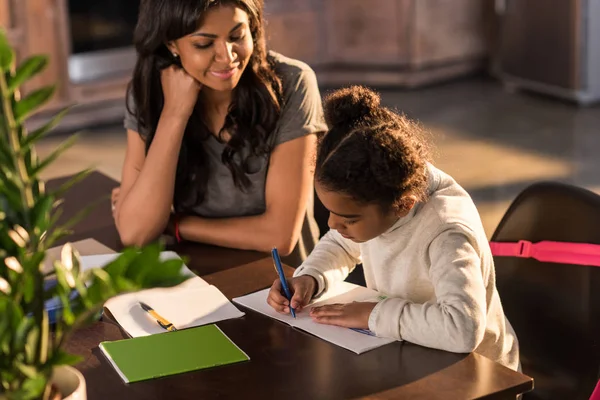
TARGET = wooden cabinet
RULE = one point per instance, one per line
(404, 43)
(401, 43)
(42, 27)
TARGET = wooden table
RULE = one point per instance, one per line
(285, 363)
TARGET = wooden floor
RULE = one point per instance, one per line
(494, 143)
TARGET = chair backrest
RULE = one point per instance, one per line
(554, 308)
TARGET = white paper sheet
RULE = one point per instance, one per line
(342, 293)
(192, 303)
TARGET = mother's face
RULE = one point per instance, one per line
(219, 51)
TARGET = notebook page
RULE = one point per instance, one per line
(184, 306)
(342, 293)
(100, 260)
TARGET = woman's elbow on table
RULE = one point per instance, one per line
(129, 238)
(285, 247)
(284, 239)
(131, 235)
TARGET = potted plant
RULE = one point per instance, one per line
(32, 362)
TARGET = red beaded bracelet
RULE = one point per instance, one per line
(177, 235)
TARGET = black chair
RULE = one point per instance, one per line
(554, 308)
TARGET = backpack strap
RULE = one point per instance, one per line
(596, 393)
(547, 251)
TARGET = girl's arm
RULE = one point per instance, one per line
(288, 188)
(456, 321)
(332, 259)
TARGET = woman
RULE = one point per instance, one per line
(220, 133)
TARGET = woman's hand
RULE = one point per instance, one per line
(351, 315)
(180, 91)
(114, 196)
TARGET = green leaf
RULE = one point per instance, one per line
(29, 158)
(100, 288)
(123, 285)
(7, 54)
(41, 212)
(28, 288)
(39, 133)
(37, 259)
(142, 264)
(44, 338)
(27, 370)
(26, 328)
(5, 152)
(63, 291)
(33, 101)
(33, 388)
(11, 316)
(55, 236)
(167, 273)
(12, 196)
(61, 357)
(119, 265)
(88, 316)
(54, 155)
(29, 68)
(81, 175)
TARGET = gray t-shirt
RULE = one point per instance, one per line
(301, 115)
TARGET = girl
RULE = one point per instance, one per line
(415, 230)
(219, 130)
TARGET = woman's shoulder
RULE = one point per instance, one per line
(302, 112)
(288, 65)
(293, 73)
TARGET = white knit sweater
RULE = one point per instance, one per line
(436, 267)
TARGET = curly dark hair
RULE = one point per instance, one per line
(252, 116)
(371, 153)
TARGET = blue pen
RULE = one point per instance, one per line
(363, 331)
(279, 269)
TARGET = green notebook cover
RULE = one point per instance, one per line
(171, 353)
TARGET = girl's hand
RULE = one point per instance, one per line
(180, 91)
(302, 288)
(351, 315)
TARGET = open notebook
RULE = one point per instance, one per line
(192, 303)
(343, 292)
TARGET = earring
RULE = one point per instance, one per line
(175, 55)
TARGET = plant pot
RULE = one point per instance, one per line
(69, 382)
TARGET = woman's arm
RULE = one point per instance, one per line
(288, 187)
(148, 181)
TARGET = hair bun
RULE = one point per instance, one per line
(350, 105)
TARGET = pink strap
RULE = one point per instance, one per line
(596, 393)
(546, 251)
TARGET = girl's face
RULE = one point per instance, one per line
(219, 51)
(353, 220)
